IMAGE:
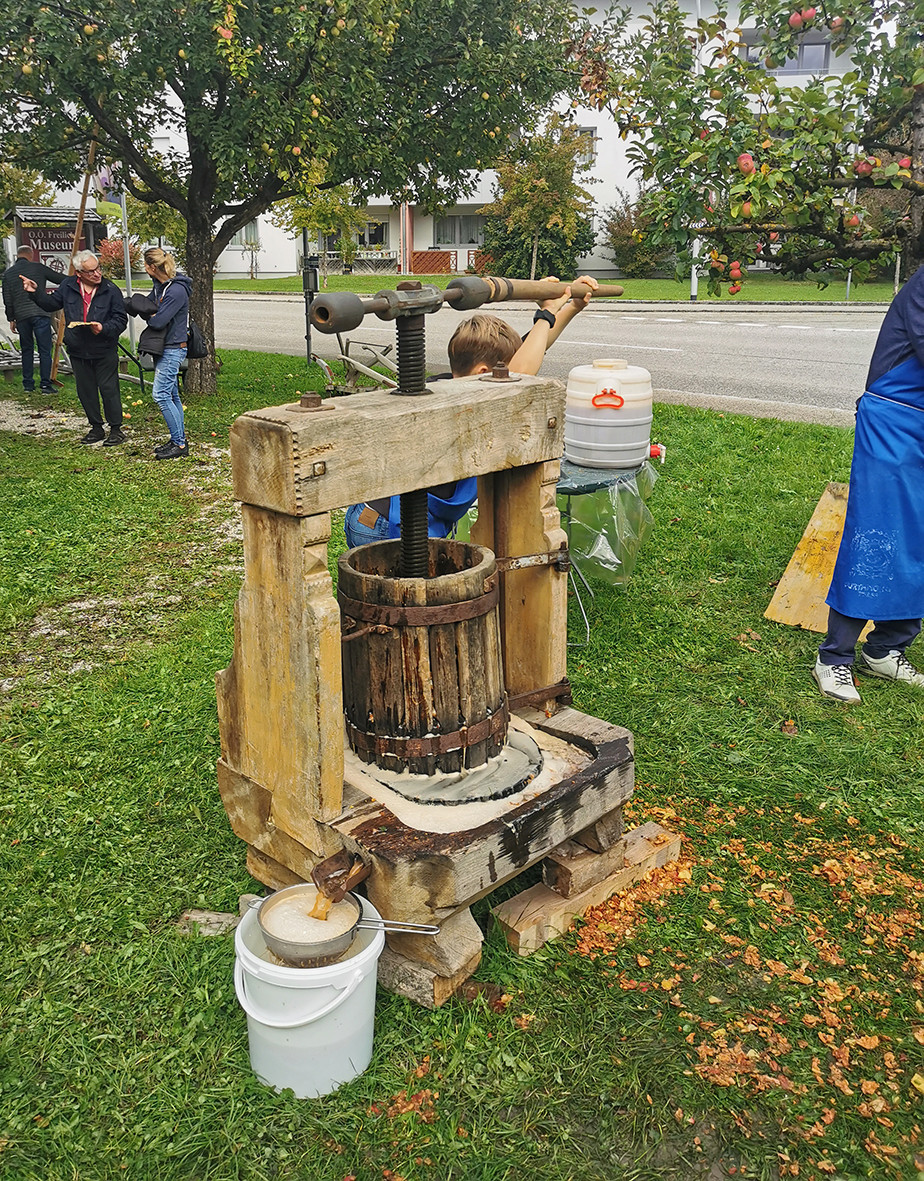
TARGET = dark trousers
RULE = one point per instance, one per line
(888, 635)
(35, 333)
(99, 378)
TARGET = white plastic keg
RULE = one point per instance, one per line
(608, 414)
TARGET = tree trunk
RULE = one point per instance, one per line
(202, 375)
(532, 264)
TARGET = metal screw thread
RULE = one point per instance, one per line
(412, 355)
(414, 548)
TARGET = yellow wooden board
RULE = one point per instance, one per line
(799, 599)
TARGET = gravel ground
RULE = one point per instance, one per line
(25, 421)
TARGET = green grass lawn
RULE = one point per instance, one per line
(757, 287)
(754, 1012)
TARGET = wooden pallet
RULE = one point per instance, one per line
(534, 916)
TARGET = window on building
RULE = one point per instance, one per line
(466, 229)
(375, 234)
(813, 56)
(247, 233)
(588, 151)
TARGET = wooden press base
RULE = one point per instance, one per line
(573, 825)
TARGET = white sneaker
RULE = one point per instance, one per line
(894, 667)
(836, 680)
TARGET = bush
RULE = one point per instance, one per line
(625, 233)
(512, 256)
(112, 257)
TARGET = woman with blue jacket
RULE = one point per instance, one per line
(170, 296)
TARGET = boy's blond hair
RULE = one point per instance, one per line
(481, 340)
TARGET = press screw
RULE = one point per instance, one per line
(553, 423)
(318, 469)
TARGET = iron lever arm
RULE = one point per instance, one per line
(342, 311)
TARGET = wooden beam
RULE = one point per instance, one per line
(534, 916)
(375, 444)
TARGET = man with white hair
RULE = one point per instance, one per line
(27, 318)
(95, 312)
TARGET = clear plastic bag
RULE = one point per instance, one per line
(607, 525)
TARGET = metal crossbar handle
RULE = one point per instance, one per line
(341, 311)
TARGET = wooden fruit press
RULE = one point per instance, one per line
(420, 720)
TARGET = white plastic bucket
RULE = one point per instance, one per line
(309, 1029)
(608, 408)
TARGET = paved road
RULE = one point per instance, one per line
(793, 361)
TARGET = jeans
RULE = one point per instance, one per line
(166, 393)
(888, 635)
(35, 333)
(359, 534)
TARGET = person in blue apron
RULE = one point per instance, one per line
(477, 345)
(879, 572)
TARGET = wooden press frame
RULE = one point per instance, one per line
(280, 700)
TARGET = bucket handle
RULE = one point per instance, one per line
(608, 398)
(240, 987)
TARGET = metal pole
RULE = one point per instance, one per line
(309, 287)
(127, 262)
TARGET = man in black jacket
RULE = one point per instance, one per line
(95, 313)
(27, 318)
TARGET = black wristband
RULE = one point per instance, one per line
(545, 314)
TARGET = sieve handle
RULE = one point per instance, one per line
(394, 925)
(240, 987)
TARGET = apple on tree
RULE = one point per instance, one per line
(746, 163)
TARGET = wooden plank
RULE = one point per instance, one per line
(249, 809)
(269, 871)
(533, 601)
(280, 706)
(369, 445)
(582, 730)
(206, 922)
(419, 982)
(571, 869)
(799, 598)
(459, 940)
(604, 833)
(538, 914)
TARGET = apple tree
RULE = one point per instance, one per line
(402, 97)
(750, 167)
